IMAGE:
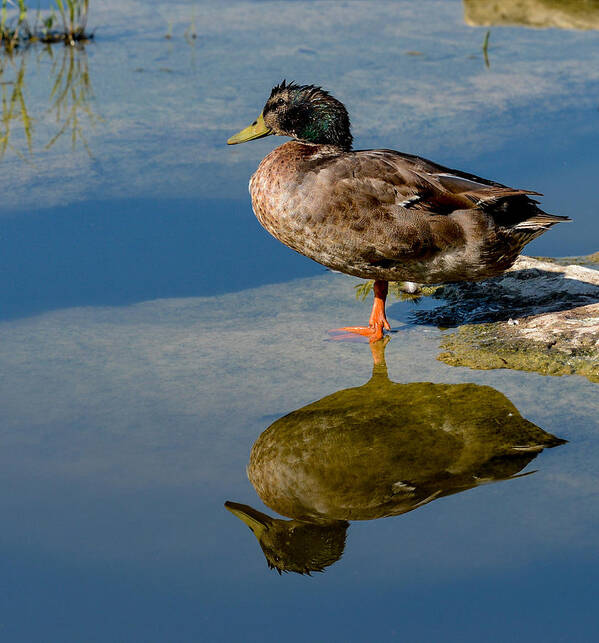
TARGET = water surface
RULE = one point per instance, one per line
(151, 331)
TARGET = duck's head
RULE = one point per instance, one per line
(293, 545)
(305, 112)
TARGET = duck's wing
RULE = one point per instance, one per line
(419, 184)
(406, 205)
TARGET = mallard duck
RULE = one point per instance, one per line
(379, 214)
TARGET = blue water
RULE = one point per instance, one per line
(126, 251)
(151, 330)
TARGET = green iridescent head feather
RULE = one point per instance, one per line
(307, 113)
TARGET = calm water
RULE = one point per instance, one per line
(151, 332)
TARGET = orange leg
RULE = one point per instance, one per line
(378, 320)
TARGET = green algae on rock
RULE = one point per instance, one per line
(540, 316)
(498, 345)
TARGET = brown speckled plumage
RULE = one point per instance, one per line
(380, 214)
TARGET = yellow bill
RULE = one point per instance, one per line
(257, 129)
(255, 520)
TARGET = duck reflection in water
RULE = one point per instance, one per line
(378, 450)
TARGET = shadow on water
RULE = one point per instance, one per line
(515, 294)
(378, 450)
(491, 301)
(70, 101)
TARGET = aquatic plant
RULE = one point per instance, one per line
(190, 33)
(13, 30)
(72, 93)
(16, 30)
(74, 19)
(486, 49)
(404, 291)
(70, 98)
(14, 110)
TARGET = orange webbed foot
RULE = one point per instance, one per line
(378, 319)
(377, 323)
(373, 333)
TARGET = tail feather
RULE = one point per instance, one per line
(540, 221)
(519, 213)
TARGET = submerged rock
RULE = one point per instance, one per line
(539, 316)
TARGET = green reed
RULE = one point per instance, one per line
(13, 30)
(397, 290)
(74, 19)
(13, 112)
(66, 22)
(70, 102)
(72, 95)
(486, 49)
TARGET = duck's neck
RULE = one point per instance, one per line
(326, 126)
(318, 134)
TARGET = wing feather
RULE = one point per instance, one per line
(394, 205)
(424, 185)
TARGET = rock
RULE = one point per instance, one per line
(564, 14)
(539, 316)
(587, 260)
